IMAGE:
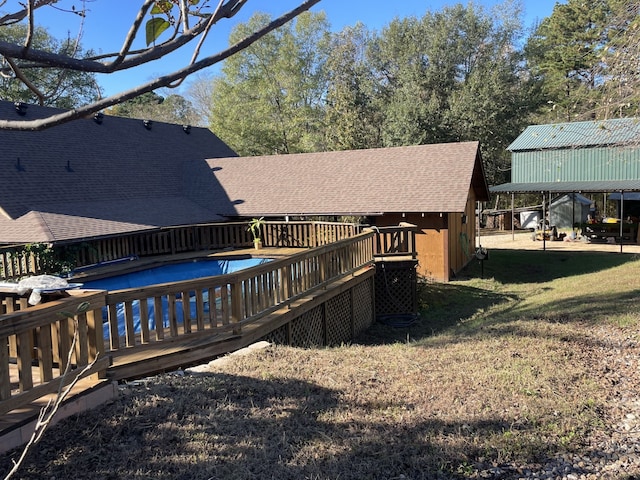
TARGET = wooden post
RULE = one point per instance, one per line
(286, 283)
(5, 383)
(95, 338)
(25, 378)
(236, 306)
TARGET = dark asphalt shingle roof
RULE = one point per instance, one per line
(423, 178)
(84, 179)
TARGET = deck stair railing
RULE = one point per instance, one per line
(226, 303)
(395, 241)
(38, 339)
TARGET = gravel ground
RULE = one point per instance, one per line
(522, 239)
(617, 454)
(614, 452)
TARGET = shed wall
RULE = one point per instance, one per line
(579, 164)
(567, 210)
(432, 242)
(462, 232)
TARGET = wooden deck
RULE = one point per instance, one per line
(307, 296)
(17, 425)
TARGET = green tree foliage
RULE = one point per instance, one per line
(455, 75)
(621, 89)
(152, 106)
(353, 116)
(566, 53)
(452, 75)
(61, 88)
(413, 84)
(268, 98)
(138, 107)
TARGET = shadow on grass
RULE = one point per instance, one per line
(442, 307)
(218, 426)
(470, 302)
(535, 266)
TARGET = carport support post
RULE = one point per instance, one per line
(513, 230)
(621, 217)
(544, 221)
(573, 210)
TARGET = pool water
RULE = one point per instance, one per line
(174, 272)
(168, 273)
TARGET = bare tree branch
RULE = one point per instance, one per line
(20, 76)
(91, 65)
(48, 412)
(126, 59)
(22, 14)
(28, 41)
(132, 32)
(203, 37)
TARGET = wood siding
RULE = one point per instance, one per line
(462, 233)
(432, 243)
(444, 244)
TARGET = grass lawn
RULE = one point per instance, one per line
(502, 373)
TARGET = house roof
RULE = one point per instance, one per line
(86, 179)
(619, 131)
(423, 178)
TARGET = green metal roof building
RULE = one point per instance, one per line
(593, 156)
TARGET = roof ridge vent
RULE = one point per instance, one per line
(21, 108)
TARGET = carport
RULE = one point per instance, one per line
(620, 187)
(598, 156)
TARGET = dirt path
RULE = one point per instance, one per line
(522, 240)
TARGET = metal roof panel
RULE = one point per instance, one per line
(617, 131)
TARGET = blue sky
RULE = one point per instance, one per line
(109, 20)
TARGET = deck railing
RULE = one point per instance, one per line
(396, 241)
(38, 340)
(17, 261)
(306, 234)
(225, 303)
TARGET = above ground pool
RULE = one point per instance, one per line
(173, 272)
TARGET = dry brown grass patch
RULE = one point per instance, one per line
(512, 375)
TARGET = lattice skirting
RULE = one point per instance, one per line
(396, 287)
(336, 321)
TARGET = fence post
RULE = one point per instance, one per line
(236, 306)
(286, 281)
